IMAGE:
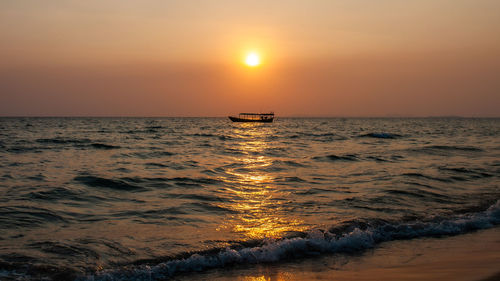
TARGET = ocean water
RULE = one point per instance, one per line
(151, 198)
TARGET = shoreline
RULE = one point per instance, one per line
(473, 256)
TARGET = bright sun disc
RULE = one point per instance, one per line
(252, 59)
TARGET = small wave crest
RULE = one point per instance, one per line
(99, 182)
(444, 149)
(333, 157)
(320, 136)
(380, 136)
(344, 239)
(104, 146)
(63, 141)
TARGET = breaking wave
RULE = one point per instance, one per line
(352, 237)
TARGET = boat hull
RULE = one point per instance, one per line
(237, 119)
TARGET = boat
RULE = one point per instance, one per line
(253, 117)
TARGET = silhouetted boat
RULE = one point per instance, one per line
(253, 117)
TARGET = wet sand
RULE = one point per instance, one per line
(469, 257)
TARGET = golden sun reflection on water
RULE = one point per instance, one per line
(258, 278)
(275, 276)
(257, 201)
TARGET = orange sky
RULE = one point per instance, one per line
(184, 58)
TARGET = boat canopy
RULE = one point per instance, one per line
(258, 114)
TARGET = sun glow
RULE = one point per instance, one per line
(252, 59)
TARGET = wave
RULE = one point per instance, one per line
(354, 157)
(53, 194)
(380, 136)
(159, 165)
(317, 190)
(148, 154)
(104, 146)
(116, 184)
(24, 216)
(63, 141)
(319, 136)
(351, 237)
(80, 143)
(203, 135)
(472, 173)
(19, 149)
(208, 135)
(378, 159)
(333, 157)
(154, 127)
(419, 175)
(185, 181)
(462, 148)
(143, 183)
(43, 147)
(418, 193)
(436, 149)
(290, 179)
(294, 163)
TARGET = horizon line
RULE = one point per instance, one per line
(225, 116)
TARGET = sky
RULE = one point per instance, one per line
(186, 58)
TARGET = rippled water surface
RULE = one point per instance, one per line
(110, 197)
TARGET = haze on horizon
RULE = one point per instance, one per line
(184, 58)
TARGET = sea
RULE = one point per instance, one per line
(158, 198)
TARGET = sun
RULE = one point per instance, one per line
(252, 59)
